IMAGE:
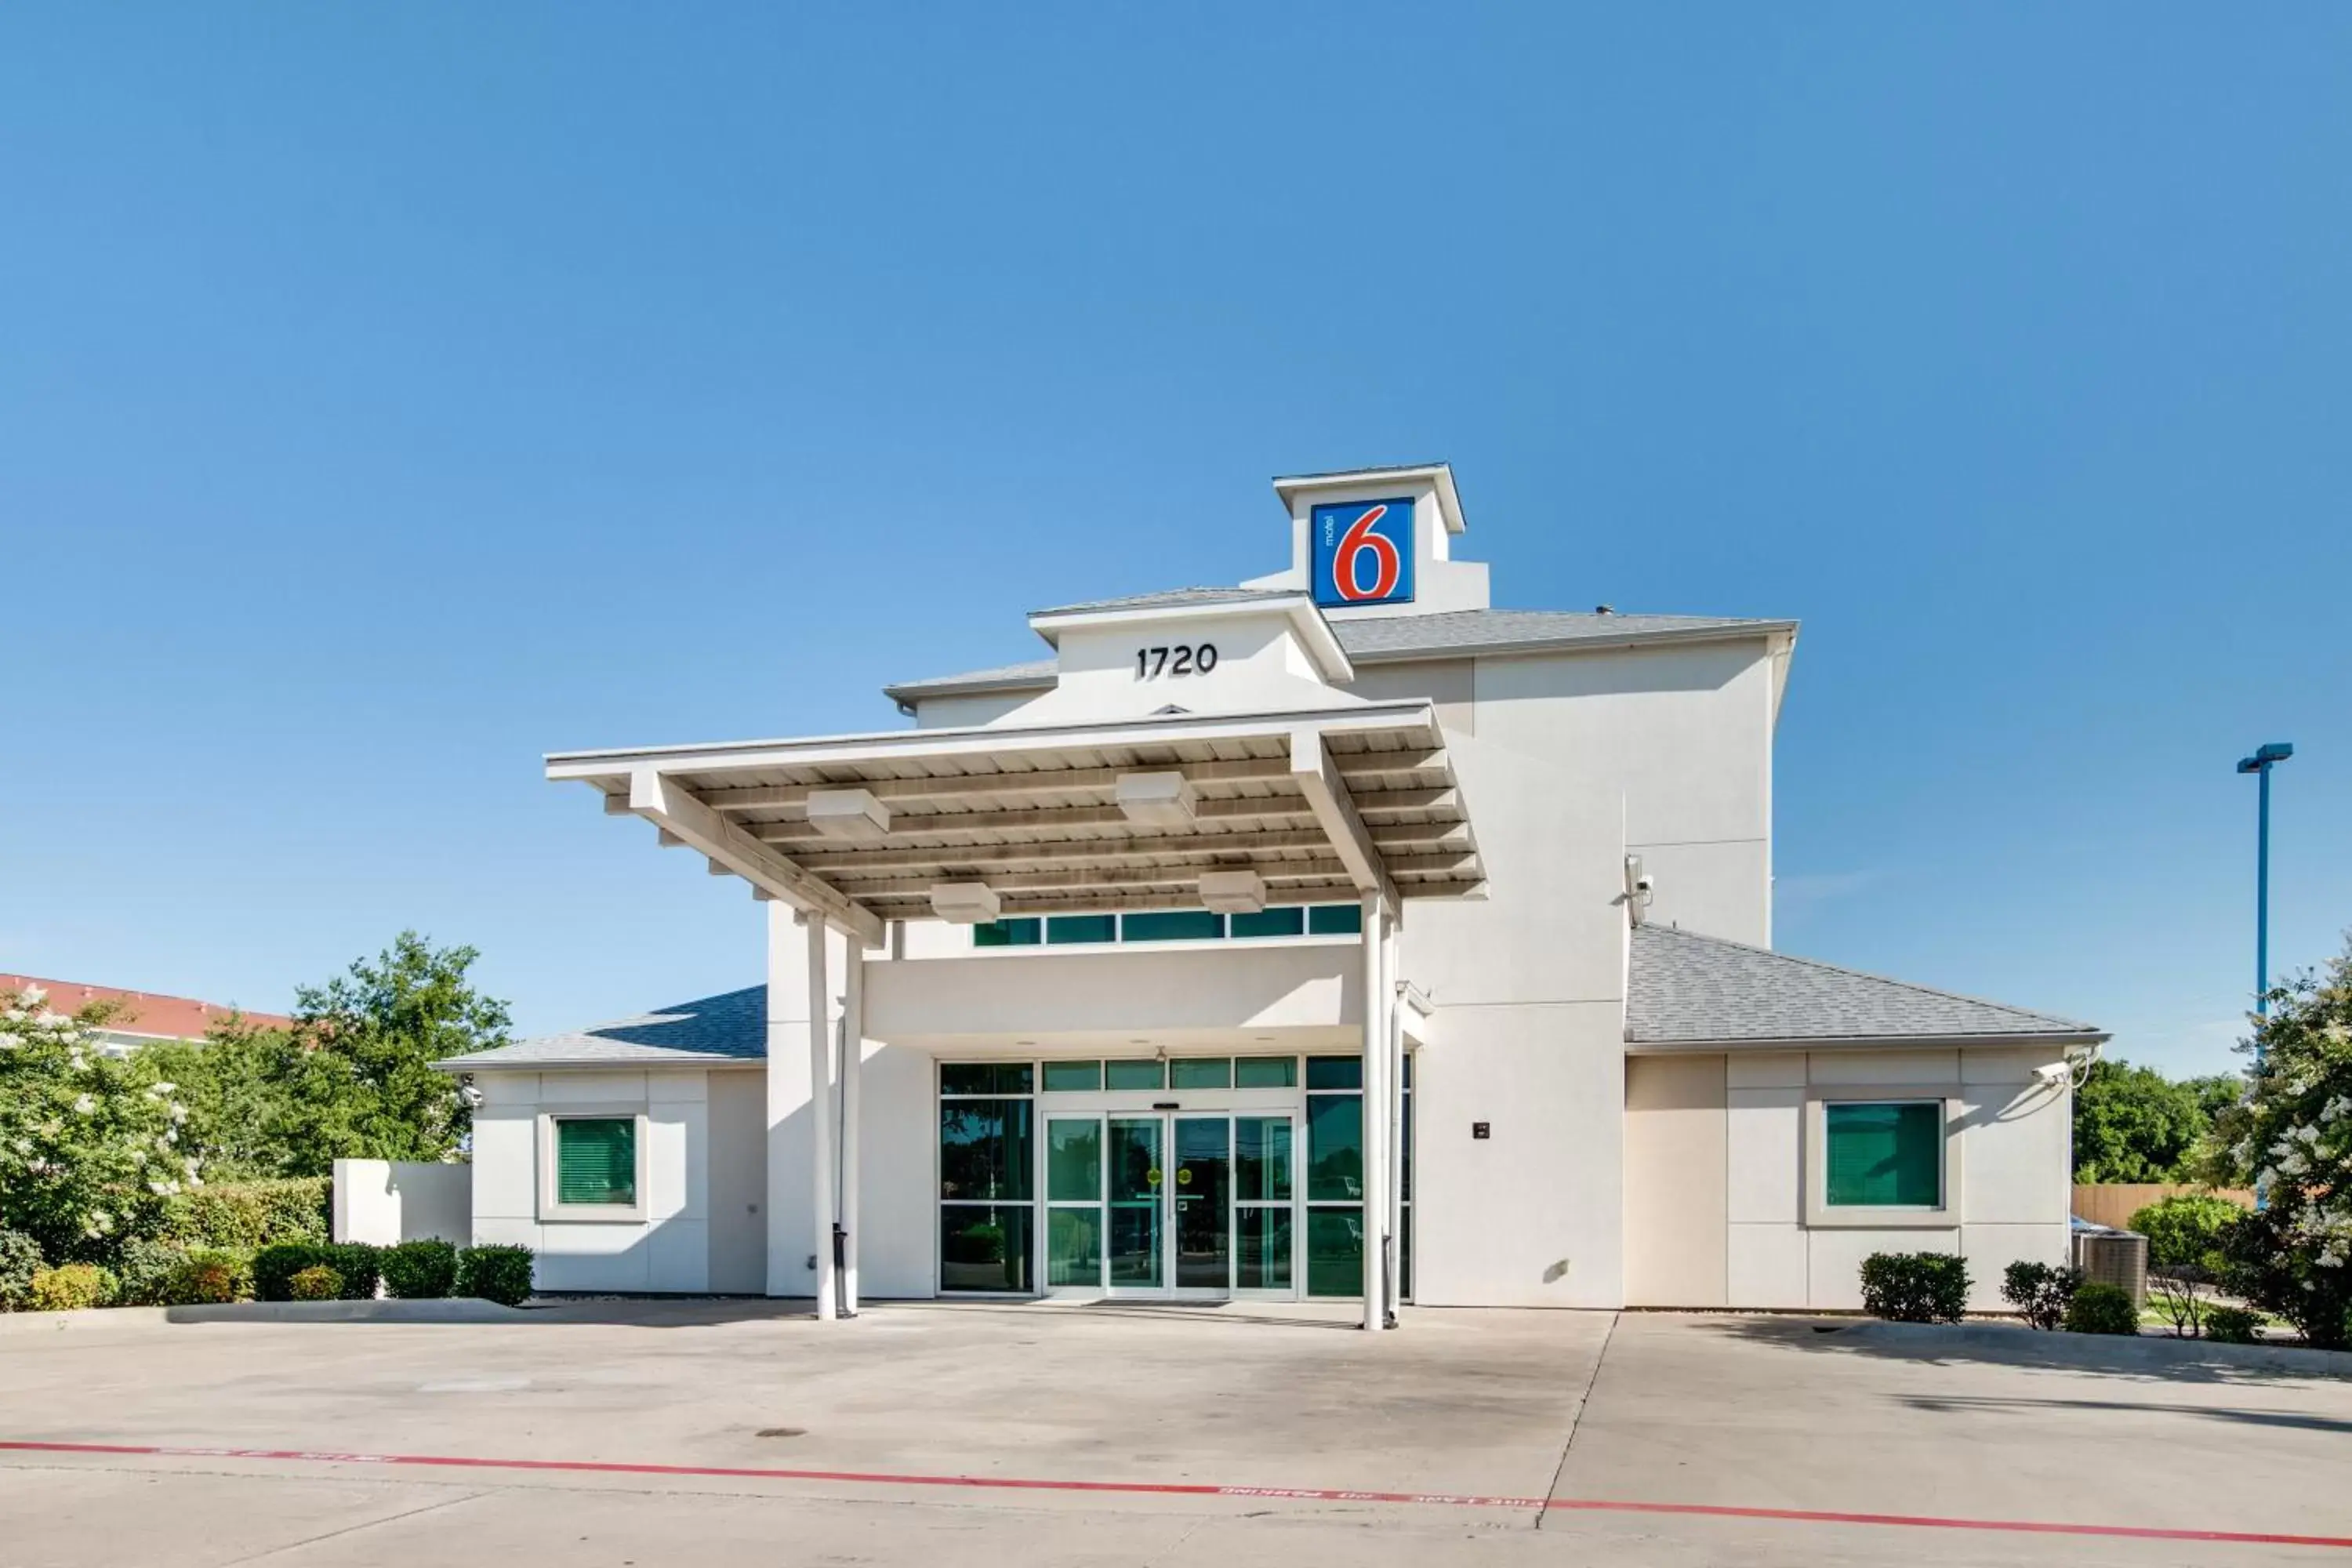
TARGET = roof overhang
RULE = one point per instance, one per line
(2055, 1039)
(1322, 804)
(1313, 631)
(1438, 475)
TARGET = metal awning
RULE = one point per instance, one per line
(1322, 804)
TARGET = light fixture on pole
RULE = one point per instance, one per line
(2265, 757)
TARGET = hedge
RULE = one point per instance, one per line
(252, 1215)
(420, 1270)
(73, 1287)
(20, 1259)
(495, 1273)
(2099, 1308)
(355, 1263)
(2233, 1325)
(1915, 1287)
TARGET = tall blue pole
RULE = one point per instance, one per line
(2263, 901)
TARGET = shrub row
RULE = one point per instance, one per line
(175, 1272)
(249, 1215)
(413, 1270)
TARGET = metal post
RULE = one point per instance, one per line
(820, 1112)
(1392, 1114)
(2263, 899)
(853, 1052)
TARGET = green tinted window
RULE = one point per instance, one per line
(984, 1077)
(1007, 933)
(1335, 1147)
(1062, 931)
(984, 1148)
(1072, 1160)
(1885, 1155)
(1335, 919)
(1173, 925)
(1072, 1077)
(1335, 1252)
(1335, 1072)
(982, 1248)
(1200, 1072)
(597, 1160)
(1291, 921)
(1134, 1075)
(1265, 1072)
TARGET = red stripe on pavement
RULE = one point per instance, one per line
(1180, 1488)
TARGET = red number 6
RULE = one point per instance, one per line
(1360, 538)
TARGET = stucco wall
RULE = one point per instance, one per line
(382, 1202)
(670, 1250)
(2013, 1167)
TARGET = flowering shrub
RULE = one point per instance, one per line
(420, 1270)
(20, 1259)
(72, 1287)
(1915, 1287)
(500, 1274)
(2099, 1308)
(2293, 1133)
(316, 1283)
(2040, 1292)
(88, 1153)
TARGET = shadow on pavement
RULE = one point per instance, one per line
(1942, 1404)
(2146, 1357)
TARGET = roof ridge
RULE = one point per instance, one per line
(1848, 969)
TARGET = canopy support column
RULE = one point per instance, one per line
(1375, 1119)
(820, 1107)
(1393, 1110)
(853, 1053)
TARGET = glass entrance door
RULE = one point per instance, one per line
(1191, 1205)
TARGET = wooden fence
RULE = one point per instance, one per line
(2114, 1203)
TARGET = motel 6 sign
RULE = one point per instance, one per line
(1363, 553)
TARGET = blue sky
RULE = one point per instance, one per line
(388, 396)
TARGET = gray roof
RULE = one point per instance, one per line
(729, 1027)
(1685, 988)
(1172, 596)
(1373, 639)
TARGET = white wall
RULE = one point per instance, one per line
(669, 1251)
(2013, 1162)
(384, 1202)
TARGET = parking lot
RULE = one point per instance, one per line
(724, 1433)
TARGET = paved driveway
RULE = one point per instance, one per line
(719, 1432)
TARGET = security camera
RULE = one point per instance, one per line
(1646, 884)
(2053, 1074)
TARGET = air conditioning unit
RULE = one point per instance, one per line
(965, 903)
(853, 816)
(2118, 1257)
(1239, 892)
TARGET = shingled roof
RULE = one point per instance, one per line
(1688, 989)
(729, 1028)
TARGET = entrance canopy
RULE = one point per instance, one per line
(1166, 812)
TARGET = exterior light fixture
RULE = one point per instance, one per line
(1233, 892)
(965, 903)
(1155, 800)
(852, 816)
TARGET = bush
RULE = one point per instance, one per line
(20, 1259)
(72, 1287)
(2040, 1292)
(144, 1269)
(316, 1283)
(497, 1273)
(209, 1275)
(1915, 1287)
(274, 1269)
(251, 1214)
(2268, 1260)
(361, 1265)
(2233, 1325)
(420, 1270)
(2099, 1308)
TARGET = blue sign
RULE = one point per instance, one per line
(1362, 553)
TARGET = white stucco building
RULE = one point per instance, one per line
(1336, 934)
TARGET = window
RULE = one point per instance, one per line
(1063, 931)
(1884, 1154)
(1150, 1074)
(1007, 933)
(1291, 921)
(986, 1203)
(1073, 1077)
(596, 1161)
(1265, 1072)
(1169, 925)
(1335, 919)
(1200, 1072)
(1173, 925)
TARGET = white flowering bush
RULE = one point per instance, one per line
(87, 1154)
(2291, 1135)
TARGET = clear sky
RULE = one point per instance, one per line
(390, 394)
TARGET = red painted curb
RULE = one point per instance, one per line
(1182, 1488)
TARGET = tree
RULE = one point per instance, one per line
(2293, 1135)
(88, 1149)
(353, 1079)
(2185, 1234)
(2134, 1124)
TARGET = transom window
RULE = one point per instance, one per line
(1169, 925)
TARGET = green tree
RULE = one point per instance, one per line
(2291, 1135)
(2134, 1124)
(2184, 1235)
(88, 1148)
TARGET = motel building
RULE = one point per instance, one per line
(1335, 935)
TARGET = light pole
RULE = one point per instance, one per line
(2260, 763)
